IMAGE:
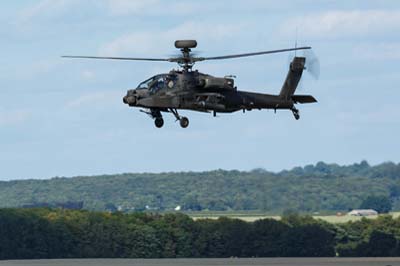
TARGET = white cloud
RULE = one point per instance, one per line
(44, 8)
(128, 7)
(33, 70)
(384, 113)
(88, 75)
(13, 117)
(337, 24)
(151, 41)
(187, 8)
(157, 7)
(379, 51)
(100, 98)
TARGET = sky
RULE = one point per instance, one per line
(63, 117)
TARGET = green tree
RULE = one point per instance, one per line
(311, 240)
(380, 244)
(266, 239)
(381, 204)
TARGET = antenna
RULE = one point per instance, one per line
(295, 44)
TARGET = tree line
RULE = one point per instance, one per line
(320, 187)
(59, 233)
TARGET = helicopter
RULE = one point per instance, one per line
(188, 89)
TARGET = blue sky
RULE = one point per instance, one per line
(63, 117)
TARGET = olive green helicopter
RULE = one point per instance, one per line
(189, 89)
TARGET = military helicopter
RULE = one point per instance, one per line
(188, 89)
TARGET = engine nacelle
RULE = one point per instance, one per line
(217, 83)
(211, 106)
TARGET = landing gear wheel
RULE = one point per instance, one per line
(184, 122)
(159, 122)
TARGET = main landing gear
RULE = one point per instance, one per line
(159, 121)
(296, 113)
(157, 116)
(183, 121)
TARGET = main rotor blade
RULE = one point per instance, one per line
(118, 58)
(250, 54)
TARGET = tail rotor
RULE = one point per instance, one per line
(312, 63)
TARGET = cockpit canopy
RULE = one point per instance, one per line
(158, 82)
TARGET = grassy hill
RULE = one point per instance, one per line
(320, 187)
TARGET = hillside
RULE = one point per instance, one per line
(320, 187)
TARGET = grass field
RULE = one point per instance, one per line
(252, 216)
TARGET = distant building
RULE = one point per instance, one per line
(368, 212)
(178, 208)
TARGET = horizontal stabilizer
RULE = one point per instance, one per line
(303, 99)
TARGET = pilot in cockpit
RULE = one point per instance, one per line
(157, 85)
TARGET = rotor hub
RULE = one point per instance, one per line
(186, 61)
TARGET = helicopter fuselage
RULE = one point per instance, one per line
(191, 90)
(199, 92)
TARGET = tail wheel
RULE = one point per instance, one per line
(184, 122)
(159, 122)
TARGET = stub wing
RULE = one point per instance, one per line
(303, 99)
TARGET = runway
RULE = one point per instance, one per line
(213, 262)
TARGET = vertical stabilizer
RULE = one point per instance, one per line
(293, 77)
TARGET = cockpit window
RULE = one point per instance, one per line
(146, 84)
(158, 82)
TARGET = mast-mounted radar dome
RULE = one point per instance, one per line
(182, 44)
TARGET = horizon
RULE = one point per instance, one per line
(206, 171)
